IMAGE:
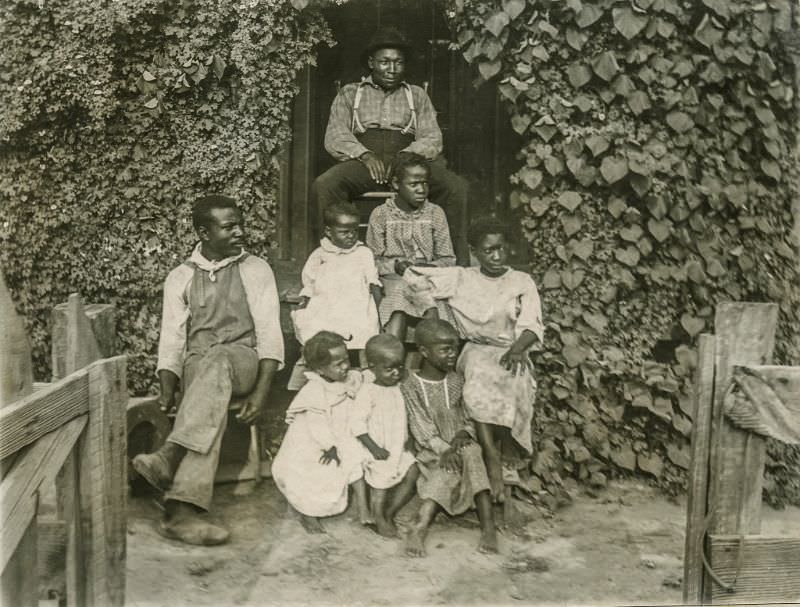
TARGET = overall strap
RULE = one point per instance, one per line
(410, 98)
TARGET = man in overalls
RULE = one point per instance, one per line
(220, 337)
(373, 121)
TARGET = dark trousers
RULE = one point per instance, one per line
(349, 179)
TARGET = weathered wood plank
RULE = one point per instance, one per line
(103, 484)
(302, 216)
(16, 369)
(697, 506)
(19, 489)
(19, 587)
(745, 335)
(769, 573)
(93, 332)
(43, 411)
(69, 508)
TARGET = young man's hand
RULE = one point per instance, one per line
(379, 453)
(401, 265)
(516, 362)
(374, 448)
(166, 402)
(168, 389)
(252, 408)
(302, 302)
(450, 461)
(330, 455)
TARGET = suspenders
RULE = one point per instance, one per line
(357, 127)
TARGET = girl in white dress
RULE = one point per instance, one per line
(380, 423)
(319, 458)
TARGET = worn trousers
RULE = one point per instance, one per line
(347, 180)
(211, 380)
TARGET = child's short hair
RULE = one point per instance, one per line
(201, 209)
(429, 330)
(336, 209)
(407, 160)
(317, 350)
(485, 225)
(377, 345)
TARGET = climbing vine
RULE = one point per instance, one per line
(656, 181)
(116, 116)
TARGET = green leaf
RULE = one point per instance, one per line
(569, 200)
(496, 23)
(597, 321)
(706, 33)
(616, 206)
(531, 177)
(553, 165)
(576, 39)
(489, 68)
(583, 103)
(613, 168)
(597, 145)
(771, 168)
(578, 74)
(572, 280)
(640, 184)
(299, 4)
(152, 103)
(551, 280)
(721, 7)
(582, 248)
(520, 123)
(631, 233)
(680, 122)
(539, 206)
(695, 272)
(628, 23)
(629, 256)
(588, 15)
(513, 8)
(571, 224)
(147, 76)
(691, 324)
(605, 65)
(660, 229)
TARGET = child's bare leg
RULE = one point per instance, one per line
(397, 325)
(362, 503)
(377, 499)
(491, 456)
(403, 492)
(415, 540)
(488, 543)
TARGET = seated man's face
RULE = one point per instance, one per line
(387, 66)
(223, 236)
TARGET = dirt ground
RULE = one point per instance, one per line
(622, 546)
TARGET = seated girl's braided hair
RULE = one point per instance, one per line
(317, 350)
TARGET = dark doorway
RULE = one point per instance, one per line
(479, 143)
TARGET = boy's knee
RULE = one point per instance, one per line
(217, 357)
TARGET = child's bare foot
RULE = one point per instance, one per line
(385, 527)
(311, 524)
(488, 544)
(415, 541)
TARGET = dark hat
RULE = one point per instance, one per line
(386, 37)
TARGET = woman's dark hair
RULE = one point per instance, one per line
(485, 225)
(336, 209)
(317, 350)
(201, 210)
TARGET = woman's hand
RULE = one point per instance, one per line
(514, 361)
(330, 455)
(450, 461)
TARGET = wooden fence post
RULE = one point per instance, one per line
(103, 484)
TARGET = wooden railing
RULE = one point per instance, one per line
(740, 400)
(69, 434)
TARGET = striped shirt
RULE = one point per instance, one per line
(379, 109)
(421, 235)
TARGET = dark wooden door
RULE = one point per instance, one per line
(478, 141)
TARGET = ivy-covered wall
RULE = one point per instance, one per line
(656, 181)
(115, 116)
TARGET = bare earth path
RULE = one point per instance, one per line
(622, 547)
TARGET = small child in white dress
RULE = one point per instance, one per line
(380, 423)
(319, 458)
(341, 287)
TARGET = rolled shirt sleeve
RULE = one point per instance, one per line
(530, 313)
(174, 320)
(262, 299)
